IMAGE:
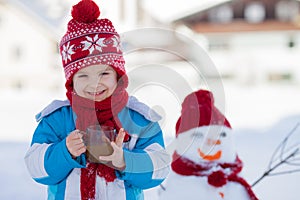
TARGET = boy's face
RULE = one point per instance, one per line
(96, 82)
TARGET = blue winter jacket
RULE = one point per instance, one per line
(49, 162)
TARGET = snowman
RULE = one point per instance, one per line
(205, 165)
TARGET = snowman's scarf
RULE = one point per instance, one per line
(218, 174)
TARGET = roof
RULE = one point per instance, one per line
(246, 16)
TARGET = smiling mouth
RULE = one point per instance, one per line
(213, 157)
(96, 93)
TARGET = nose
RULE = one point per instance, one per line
(210, 141)
(94, 80)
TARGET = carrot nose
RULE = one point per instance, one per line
(218, 142)
(213, 142)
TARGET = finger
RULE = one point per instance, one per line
(78, 149)
(78, 137)
(82, 149)
(74, 134)
(70, 138)
(77, 141)
(78, 144)
(80, 134)
(120, 137)
(114, 146)
(78, 152)
(106, 158)
(74, 145)
(117, 150)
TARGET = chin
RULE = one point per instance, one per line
(99, 99)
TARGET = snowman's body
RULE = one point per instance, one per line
(203, 146)
(196, 188)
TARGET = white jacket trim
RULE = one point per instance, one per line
(34, 159)
(103, 190)
(160, 159)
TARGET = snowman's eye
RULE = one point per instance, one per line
(223, 134)
(197, 135)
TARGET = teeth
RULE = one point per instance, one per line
(95, 93)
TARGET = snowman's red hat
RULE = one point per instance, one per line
(198, 110)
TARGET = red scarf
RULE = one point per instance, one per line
(88, 113)
(186, 167)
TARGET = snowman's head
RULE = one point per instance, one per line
(207, 144)
(203, 134)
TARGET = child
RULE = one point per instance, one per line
(96, 84)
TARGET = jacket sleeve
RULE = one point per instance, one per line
(48, 160)
(147, 162)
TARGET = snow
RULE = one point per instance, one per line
(15, 180)
(261, 117)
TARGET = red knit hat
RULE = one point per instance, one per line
(90, 41)
(198, 110)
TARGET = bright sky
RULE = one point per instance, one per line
(167, 10)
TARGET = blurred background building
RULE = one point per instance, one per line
(250, 42)
(254, 45)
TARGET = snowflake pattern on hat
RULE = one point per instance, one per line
(67, 52)
(90, 41)
(93, 43)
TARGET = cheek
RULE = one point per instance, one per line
(112, 83)
(77, 85)
(114, 86)
(188, 145)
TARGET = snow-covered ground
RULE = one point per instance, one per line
(261, 117)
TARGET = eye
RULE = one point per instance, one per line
(223, 134)
(197, 135)
(82, 76)
(104, 73)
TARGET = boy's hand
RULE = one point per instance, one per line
(117, 157)
(75, 143)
